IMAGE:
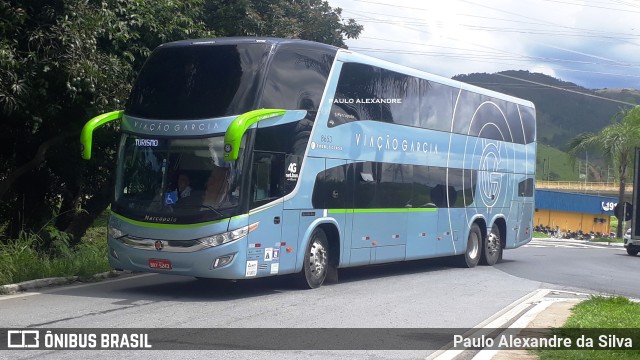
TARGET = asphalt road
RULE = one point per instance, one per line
(572, 265)
(421, 294)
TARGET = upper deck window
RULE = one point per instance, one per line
(196, 82)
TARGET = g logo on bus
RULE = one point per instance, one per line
(489, 177)
(158, 245)
(227, 147)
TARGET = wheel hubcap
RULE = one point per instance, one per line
(493, 244)
(317, 259)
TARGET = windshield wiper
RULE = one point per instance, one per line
(212, 209)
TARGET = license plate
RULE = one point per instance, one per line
(161, 264)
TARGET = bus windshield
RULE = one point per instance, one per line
(175, 180)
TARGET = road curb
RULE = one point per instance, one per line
(515, 310)
(11, 289)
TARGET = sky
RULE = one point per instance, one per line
(595, 43)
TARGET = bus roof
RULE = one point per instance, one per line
(350, 56)
(248, 40)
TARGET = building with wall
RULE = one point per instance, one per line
(573, 212)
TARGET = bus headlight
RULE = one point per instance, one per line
(115, 232)
(229, 236)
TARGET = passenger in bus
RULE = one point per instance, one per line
(217, 187)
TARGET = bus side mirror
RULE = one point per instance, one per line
(86, 136)
(239, 126)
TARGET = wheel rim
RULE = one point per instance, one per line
(317, 259)
(493, 244)
(473, 252)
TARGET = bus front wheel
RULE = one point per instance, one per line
(316, 261)
(472, 253)
(633, 251)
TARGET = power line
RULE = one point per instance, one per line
(568, 90)
(498, 56)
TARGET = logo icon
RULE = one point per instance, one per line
(21, 339)
(158, 245)
(489, 177)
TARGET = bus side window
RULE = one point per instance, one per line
(267, 177)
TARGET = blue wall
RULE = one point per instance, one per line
(572, 202)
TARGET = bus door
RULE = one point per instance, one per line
(334, 197)
(523, 204)
(264, 253)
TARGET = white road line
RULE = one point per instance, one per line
(521, 323)
(62, 288)
(497, 320)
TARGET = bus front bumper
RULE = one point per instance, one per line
(226, 261)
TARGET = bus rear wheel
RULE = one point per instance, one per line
(492, 249)
(316, 261)
(472, 254)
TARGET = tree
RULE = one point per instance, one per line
(311, 20)
(617, 142)
(65, 61)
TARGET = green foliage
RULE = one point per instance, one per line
(605, 312)
(24, 258)
(599, 313)
(616, 142)
(311, 20)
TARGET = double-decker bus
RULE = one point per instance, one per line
(249, 157)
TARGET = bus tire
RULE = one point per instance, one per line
(492, 247)
(633, 251)
(316, 261)
(472, 254)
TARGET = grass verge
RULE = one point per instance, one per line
(21, 259)
(599, 313)
(608, 240)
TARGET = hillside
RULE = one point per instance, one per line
(553, 164)
(561, 114)
(628, 95)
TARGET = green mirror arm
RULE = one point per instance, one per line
(86, 136)
(239, 126)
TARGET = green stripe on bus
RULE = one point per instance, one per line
(385, 210)
(170, 226)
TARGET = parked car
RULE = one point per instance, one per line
(632, 245)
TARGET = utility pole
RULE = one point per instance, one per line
(548, 169)
(586, 170)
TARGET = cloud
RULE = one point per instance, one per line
(594, 44)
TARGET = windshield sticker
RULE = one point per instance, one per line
(147, 142)
(171, 197)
